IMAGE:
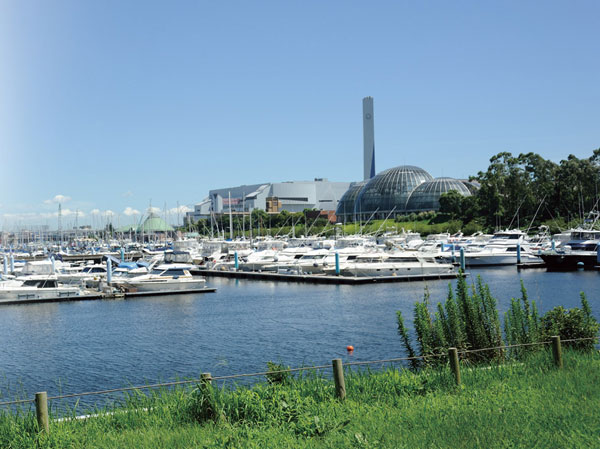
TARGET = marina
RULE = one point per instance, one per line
(86, 345)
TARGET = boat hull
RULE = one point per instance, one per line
(571, 261)
(166, 285)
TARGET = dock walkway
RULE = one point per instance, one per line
(322, 279)
(101, 295)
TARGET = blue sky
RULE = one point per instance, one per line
(110, 104)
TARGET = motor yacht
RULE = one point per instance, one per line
(397, 264)
(167, 277)
(37, 287)
(581, 251)
(501, 250)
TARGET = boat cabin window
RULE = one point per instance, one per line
(50, 283)
(583, 246)
(506, 236)
(402, 259)
(174, 272)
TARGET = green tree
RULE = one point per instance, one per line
(451, 203)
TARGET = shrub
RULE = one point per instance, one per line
(277, 373)
(522, 324)
(466, 320)
(572, 324)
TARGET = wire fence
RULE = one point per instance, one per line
(289, 370)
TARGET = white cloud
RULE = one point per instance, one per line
(95, 212)
(129, 211)
(153, 210)
(58, 199)
(180, 210)
(109, 213)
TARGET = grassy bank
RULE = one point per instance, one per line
(518, 405)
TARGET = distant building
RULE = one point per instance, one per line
(291, 196)
(396, 191)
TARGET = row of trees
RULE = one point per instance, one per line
(518, 188)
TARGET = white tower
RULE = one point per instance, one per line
(369, 138)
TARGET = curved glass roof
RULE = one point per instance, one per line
(348, 199)
(390, 189)
(427, 195)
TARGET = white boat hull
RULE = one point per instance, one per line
(21, 293)
(155, 285)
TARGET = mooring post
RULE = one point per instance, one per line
(553, 245)
(337, 264)
(453, 251)
(518, 253)
(108, 271)
(12, 263)
(236, 260)
(557, 351)
(41, 411)
(5, 264)
(338, 377)
(454, 366)
(122, 255)
(462, 259)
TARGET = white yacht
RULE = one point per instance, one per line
(398, 264)
(37, 287)
(501, 250)
(173, 276)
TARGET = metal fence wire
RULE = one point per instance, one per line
(289, 370)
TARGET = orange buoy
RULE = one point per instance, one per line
(349, 348)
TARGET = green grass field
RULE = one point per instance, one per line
(525, 405)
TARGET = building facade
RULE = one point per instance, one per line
(291, 196)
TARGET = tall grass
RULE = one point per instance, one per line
(529, 404)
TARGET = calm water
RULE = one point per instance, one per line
(83, 346)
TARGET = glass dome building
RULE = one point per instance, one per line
(390, 190)
(427, 195)
(345, 209)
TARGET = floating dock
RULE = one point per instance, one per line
(324, 279)
(527, 265)
(109, 296)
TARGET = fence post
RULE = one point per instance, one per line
(206, 379)
(41, 411)
(338, 377)
(557, 351)
(454, 366)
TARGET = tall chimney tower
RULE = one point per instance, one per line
(369, 138)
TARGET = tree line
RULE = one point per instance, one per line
(525, 189)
